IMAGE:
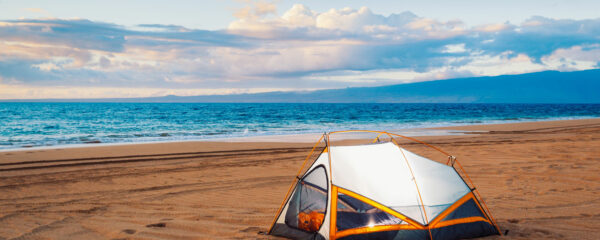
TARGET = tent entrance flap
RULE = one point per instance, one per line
(307, 205)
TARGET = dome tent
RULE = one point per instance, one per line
(381, 191)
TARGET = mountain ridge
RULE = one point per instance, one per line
(538, 87)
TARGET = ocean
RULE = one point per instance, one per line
(52, 124)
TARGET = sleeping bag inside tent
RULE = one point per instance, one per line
(381, 191)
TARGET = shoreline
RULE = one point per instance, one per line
(451, 130)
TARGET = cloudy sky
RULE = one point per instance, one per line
(89, 49)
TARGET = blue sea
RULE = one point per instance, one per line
(51, 124)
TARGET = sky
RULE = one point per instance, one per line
(96, 49)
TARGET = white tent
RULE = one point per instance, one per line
(380, 191)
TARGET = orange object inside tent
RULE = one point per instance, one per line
(310, 221)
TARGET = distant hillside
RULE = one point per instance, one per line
(540, 87)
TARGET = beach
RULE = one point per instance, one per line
(539, 179)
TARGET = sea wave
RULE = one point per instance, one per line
(58, 124)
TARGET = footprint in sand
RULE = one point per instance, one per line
(157, 225)
(251, 229)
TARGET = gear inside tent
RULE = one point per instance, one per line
(381, 190)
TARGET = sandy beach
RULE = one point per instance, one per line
(540, 180)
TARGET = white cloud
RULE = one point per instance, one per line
(574, 58)
(297, 49)
(300, 16)
(455, 48)
(505, 63)
(495, 27)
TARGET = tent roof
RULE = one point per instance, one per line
(395, 177)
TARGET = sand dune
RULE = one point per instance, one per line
(540, 180)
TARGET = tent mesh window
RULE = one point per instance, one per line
(353, 213)
(307, 206)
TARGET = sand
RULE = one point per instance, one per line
(540, 180)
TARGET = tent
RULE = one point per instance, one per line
(381, 190)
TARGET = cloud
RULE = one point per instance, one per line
(86, 34)
(83, 34)
(300, 48)
(538, 37)
(37, 10)
(255, 9)
(407, 41)
(163, 27)
(574, 58)
(18, 70)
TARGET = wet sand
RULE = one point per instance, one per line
(540, 180)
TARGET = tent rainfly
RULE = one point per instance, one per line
(381, 191)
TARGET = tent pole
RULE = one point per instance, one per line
(328, 146)
(421, 142)
(416, 185)
(333, 213)
(479, 195)
(376, 139)
(333, 205)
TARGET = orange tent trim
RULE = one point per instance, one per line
(381, 228)
(390, 211)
